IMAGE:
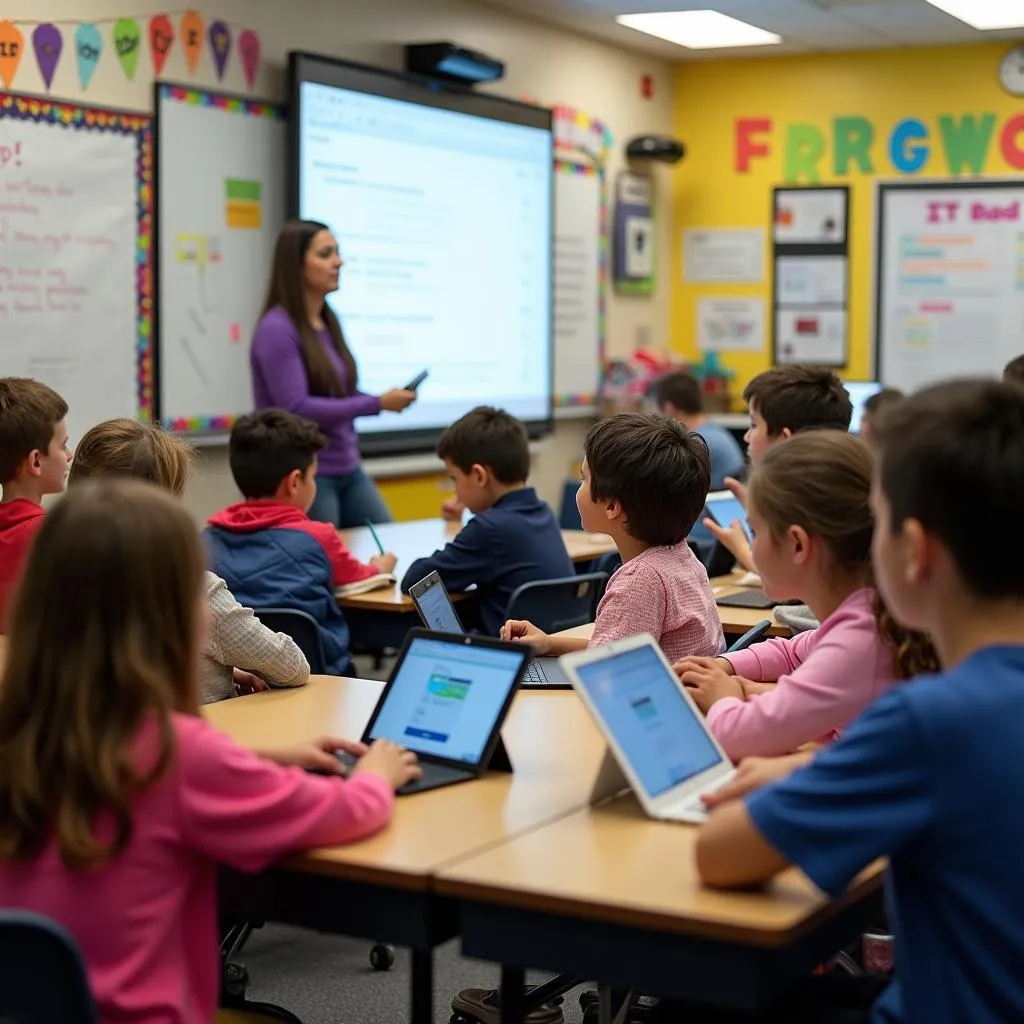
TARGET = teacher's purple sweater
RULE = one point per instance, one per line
(279, 379)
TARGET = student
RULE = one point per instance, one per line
(645, 479)
(1014, 371)
(34, 460)
(876, 406)
(237, 643)
(929, 776)
(678, 396)
(808, 508)
(782, 402)
(270, 553)
(117, 800)
(513, 537)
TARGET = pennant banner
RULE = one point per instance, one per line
(161, 39)
(128, 36)
(88, 47)
(12, 43)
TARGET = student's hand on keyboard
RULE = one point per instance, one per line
(708, 685)
(521, 631)
(393, 763)
(319, 756)
(753, 773)
(384, 563)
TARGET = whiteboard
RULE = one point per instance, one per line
(220, 205)
(950, 291)
(580, 275)
(74, 255)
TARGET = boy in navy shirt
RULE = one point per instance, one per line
(513, 537)
(931, 775)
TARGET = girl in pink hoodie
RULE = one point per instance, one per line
(808, 507)
(116, 799)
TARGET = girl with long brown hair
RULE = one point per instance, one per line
(116, 799)
(302, 363)
(808, 506)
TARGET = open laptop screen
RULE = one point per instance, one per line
(445, 698)
(654, 725)
(436, 609)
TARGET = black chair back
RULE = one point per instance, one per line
(553, 605)
(302, 628)
(42, 974)
(754, 635)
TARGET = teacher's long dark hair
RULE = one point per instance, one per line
(286, 291)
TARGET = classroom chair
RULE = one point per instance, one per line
(42, 974)
(302, 628)
(754, 635)
(553, 605)
(568, 512)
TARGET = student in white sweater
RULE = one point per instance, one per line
(241, 654)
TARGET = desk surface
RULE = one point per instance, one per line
(613, 864)
(551, 741)
(413, 540)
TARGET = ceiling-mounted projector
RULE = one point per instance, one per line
(452, 63)
(656, 147)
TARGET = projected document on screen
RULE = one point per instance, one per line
(444, 223)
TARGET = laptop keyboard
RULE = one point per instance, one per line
(535, 674)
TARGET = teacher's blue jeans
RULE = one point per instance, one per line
(348, 500)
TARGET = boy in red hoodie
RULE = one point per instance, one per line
(267, 549)
(34, 461)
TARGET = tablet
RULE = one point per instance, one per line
(725, 509)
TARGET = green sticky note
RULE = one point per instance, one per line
(237, 188)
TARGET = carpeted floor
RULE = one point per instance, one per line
(324, 979)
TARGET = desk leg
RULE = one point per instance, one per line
(513, 987)
(422, 986)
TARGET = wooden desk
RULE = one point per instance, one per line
(739, 620)
(381, 888)
(607, 893)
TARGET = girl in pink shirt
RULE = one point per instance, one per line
(116, 799)
(808, 509)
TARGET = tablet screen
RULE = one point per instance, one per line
(445, 698)
(725, 510)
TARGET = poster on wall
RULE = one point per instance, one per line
(811, 215)
(715, 255)
(633, 263)
(950, 280)
(730, 325)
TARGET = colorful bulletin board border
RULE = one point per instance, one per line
(563, 166)
(214, 423)
(76, 117)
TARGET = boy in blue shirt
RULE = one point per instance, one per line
(678, 396)
(931, 775)
(513, 537)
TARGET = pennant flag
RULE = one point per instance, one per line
(128, 43)
(220, 43)
(48, 44)
(192, 25)
(161, 39)
(88, 47)
(249, 48)
(12, 43)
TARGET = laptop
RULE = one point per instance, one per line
(438, 613)
(658, 742)
(446, 700)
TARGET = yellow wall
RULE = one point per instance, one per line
(885, 87)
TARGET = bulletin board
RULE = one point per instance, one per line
(220, 173)
(580, 283)
(949, 281)
(75, 254)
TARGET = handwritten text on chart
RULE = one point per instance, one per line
(10, 155)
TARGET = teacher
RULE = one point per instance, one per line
(300, 362)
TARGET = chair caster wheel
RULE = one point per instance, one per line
(382, 957)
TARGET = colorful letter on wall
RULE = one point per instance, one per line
(746, 147)
(966, 141)
(804, 148)
(853, 138)
(1009, 141)
(908, 159)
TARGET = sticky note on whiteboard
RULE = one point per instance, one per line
(243, 204)
(235, 333)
